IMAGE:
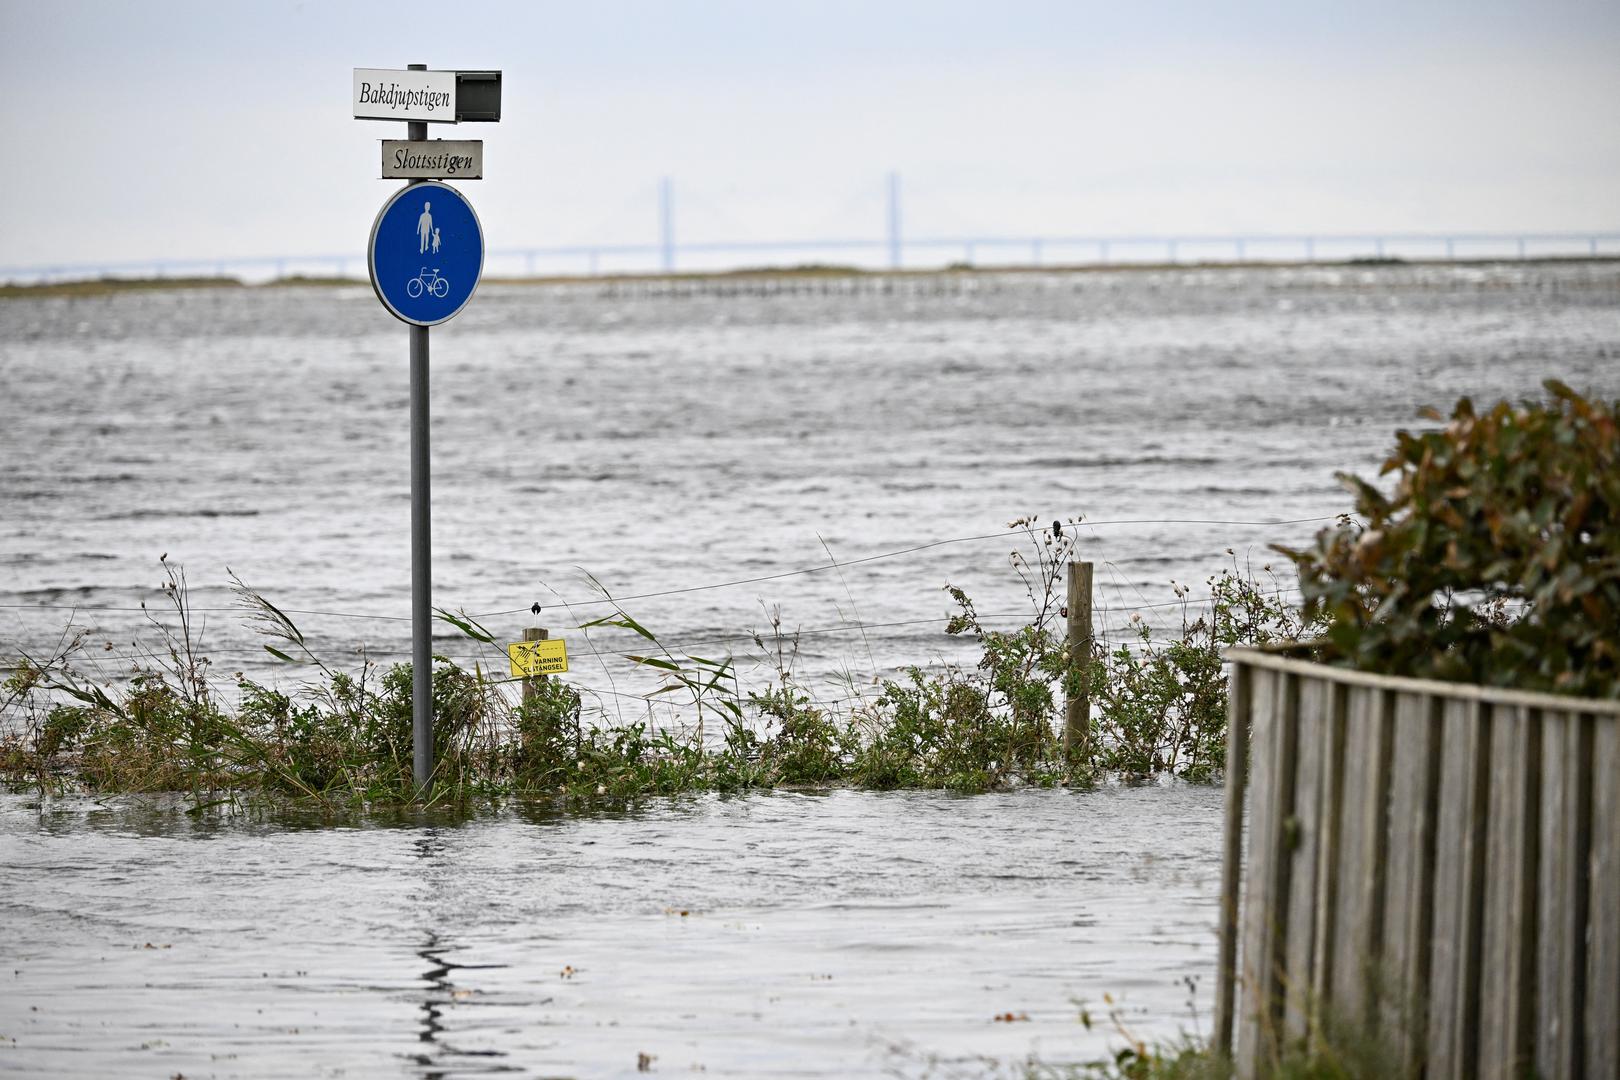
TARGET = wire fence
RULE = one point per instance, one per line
(1113, 611)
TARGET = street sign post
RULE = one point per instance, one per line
(425, 257)
(426, 253)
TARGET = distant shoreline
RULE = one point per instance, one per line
(105, 286)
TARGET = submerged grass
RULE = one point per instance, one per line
(344, 736)
(1339, 1048)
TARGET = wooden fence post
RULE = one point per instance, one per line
(531, 684)
(1077, 707)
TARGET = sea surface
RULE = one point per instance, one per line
(716, 461)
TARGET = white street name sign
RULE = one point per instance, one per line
(381, 94)
(433, 159)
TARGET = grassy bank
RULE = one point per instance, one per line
(109, 286)
(344, 736)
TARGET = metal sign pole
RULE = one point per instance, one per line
(421, 541)
(425, 257)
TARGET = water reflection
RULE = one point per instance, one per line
(438, 1057)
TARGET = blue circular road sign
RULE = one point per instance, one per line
(426, 253)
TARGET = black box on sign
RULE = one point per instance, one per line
(478, 96)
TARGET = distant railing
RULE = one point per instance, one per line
(1435, 865)
(889, 253)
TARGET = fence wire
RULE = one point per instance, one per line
(1111, 629)
(836, 564)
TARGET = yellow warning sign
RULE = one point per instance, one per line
(531, 658)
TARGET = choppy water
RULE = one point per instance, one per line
(671, 443)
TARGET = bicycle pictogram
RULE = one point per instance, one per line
(428, 280)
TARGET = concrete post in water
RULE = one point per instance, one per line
(531, 684)
(421, 544)
(1077, 708)
(666, 224)
(895, 256)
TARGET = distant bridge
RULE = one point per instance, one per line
(880, 253)
(892, 251)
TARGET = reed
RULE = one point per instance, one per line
(344, 736)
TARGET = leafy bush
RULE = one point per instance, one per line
(809, 746)
(548, 734)
(1496, 558)
(1160, 705)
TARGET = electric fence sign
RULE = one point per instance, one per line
(425, 257)
(531, 658)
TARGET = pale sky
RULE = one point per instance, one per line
(216, 129)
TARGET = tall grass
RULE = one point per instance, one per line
(344, 736)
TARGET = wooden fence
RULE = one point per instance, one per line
(1435, 864)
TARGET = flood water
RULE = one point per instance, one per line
(673, 445)
(774, 935)
(680, 443)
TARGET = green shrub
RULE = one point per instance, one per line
(1496, 558)
(1159, 706)
(808, 747)
(313, 749)
(548, 734)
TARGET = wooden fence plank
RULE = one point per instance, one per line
(1459, 881)
(1238, 711)
(1311, 706)
(1252, 1018)
(1347, 955)
(1265, 901)
(1603, 909)
(1363, 842)
(1507, 982)
(1409, 895)
(1566, 821)
(1337, 704)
